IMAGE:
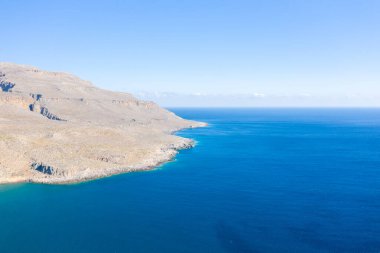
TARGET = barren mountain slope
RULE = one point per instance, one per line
(57, 128)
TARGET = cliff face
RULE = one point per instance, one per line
(57, 128)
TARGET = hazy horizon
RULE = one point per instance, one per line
(168, 99)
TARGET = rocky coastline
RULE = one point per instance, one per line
(56, 129)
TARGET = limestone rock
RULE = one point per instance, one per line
(57, 128)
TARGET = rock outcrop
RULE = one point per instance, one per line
(57, 128)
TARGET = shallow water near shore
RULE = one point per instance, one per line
(259, 180)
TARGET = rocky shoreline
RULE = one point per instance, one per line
(56, 129)
(168, 155)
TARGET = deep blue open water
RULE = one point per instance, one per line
(259, 180)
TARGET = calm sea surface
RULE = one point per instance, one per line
(259, 180)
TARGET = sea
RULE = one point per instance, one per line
(258, 180)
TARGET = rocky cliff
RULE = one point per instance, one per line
(57, 128)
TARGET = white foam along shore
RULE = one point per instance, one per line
(56, 128)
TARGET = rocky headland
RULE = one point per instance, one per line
(56, 128)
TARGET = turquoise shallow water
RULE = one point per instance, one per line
(259, 180)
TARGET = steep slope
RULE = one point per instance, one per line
(57, 128)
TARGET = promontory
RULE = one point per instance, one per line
(56, 128)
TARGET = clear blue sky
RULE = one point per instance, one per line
(269, 49)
